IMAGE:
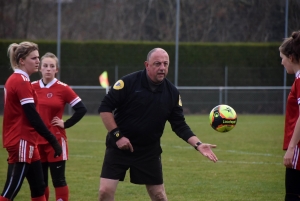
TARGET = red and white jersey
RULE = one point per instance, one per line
(292, 111)
(17, 92)
(52, 100)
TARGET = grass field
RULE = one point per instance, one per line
(249, 167)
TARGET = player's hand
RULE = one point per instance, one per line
(57, 148)
(58, 122)
(288, 157)
(124, 144)
(205, 150)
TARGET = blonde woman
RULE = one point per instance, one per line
(22, 125)
(53, 95)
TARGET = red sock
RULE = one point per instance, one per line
(47, 193)
(4, 199)
(62, 193)
(41, 198)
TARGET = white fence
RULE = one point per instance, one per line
(200, 100)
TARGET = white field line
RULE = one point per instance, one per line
(193, 161)
(189, 147)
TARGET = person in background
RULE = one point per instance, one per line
(22, 125)
(290, 59)
(134, 112)
(53, 95)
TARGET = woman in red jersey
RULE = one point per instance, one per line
(22, 125)
(53, 95)
(290, 55)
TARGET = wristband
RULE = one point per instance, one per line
(197, 145)
(115, 133)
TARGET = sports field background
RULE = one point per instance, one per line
(249, 167)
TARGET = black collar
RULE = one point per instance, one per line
(145, 82)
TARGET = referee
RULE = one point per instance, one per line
(135, 112)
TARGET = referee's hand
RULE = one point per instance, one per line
(124, 144)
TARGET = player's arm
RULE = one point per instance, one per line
(38, 124)
(80, 111)
(288, 157)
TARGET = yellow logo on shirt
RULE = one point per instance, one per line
(119, 85)
(179, 102)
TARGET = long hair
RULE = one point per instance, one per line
(16, 52)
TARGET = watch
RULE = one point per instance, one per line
(197, 145)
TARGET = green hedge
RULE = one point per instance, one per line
(200, 64)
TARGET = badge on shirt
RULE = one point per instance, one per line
(119, 85)
(179, 102)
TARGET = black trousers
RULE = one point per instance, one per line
(292, 185)
(57, 171)
(16, 173)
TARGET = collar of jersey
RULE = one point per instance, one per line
(19, 71)
(146, 85)
(47, 85)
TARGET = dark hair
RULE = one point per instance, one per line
(291, 46)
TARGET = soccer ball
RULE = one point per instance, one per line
(222, 118)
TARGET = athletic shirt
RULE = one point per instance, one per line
(141, 113)
(292, 111)
(17, 92)
(52, 100)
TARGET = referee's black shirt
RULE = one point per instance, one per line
(141, 113)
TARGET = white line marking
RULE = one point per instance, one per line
(189, 147)
(193, 161)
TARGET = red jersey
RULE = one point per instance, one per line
(292, 111)
(17, 92)
(52, 100)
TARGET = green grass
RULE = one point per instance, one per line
(249, 167)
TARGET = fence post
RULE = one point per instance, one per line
(220, 95)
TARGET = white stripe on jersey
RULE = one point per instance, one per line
(75, 101)
(26, 100)
(298, 101)
(22, 150)
(64, 149)
(295, 158)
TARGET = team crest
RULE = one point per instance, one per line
(179, 101)
(119, 85)
(49, 95)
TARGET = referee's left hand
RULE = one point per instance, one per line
(124, 144)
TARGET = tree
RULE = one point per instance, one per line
(148, 20)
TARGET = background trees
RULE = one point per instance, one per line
(149, 20)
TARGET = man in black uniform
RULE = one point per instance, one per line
(135, 112)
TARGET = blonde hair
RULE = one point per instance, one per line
(49, 55)
(16, 52)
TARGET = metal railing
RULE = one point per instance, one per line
(200, 99)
